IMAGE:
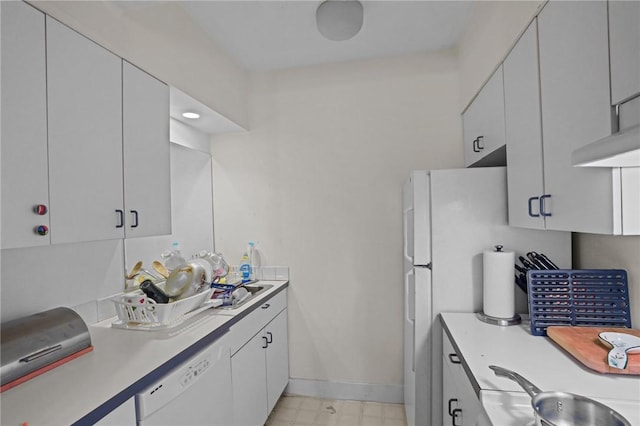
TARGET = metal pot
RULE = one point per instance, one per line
(564, 409)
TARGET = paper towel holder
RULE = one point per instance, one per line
(502, 322)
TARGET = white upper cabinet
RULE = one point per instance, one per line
(25, 172)
(624, 45)
(147, 179)
(575, 99)
(85, 137)
(523, 128)
(483, 125)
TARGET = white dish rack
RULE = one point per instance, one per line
(138, 312)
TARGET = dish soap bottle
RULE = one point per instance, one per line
(173, 258)
(245, 264)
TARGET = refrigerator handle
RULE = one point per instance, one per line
(409, 303)
(405, 230)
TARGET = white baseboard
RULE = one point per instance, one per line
(391, 394)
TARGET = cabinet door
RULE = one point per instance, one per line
(574, 78)
(147, 190)
(483, 125)
(249, 377)
(452, 405)
(460, 402)
(277, 358)
(24, 170)
(523, 129)
(84, 86)
(624, 45)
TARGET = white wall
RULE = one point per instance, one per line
(493, 29)
(317, 182)
(160, 38)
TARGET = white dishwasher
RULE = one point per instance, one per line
(197, 392)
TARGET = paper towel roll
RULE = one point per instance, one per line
(498, 285)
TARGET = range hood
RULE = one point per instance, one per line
(621, 149)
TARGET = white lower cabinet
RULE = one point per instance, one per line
(277, 358)
(259, 365)
(461, 406)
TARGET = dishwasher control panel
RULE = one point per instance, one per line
(194, 371)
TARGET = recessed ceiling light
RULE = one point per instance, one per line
(191, 115)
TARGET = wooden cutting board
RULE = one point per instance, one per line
(585, 346)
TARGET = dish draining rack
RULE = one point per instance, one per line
(136, 311)
(578, 297)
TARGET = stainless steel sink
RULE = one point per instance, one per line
(254, 290)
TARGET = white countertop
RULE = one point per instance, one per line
(119, 360)
(537, 359)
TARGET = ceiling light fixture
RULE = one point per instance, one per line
(192, 115)
(339, 20)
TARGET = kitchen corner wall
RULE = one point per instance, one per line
(492, 30)
(318, 183)
(612, 252)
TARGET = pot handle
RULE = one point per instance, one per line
(529, 387)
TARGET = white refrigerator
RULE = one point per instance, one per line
(450, 217)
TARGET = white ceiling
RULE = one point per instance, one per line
(272, 34)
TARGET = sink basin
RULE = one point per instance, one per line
(254, 290)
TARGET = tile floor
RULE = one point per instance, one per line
(294, 410)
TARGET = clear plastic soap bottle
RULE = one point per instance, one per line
(173, 257)
(245, 264)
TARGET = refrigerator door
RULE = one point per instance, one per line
(417, 352)
(416, 219)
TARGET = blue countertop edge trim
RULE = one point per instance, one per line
(113, 403)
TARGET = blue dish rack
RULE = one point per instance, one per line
(578, 297)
